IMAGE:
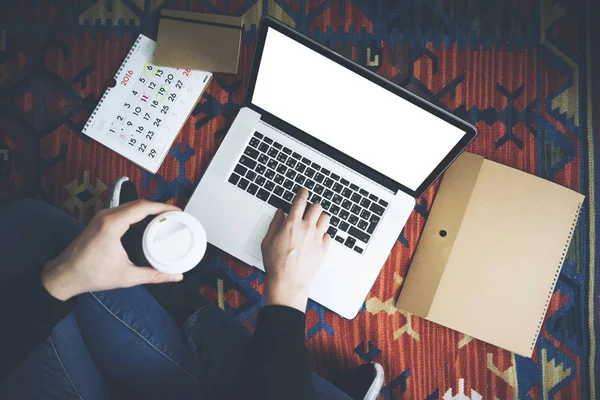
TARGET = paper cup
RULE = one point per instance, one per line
(174, 242)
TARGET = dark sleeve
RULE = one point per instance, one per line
(27, 315)
(278, 365)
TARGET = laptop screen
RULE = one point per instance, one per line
(350, 113)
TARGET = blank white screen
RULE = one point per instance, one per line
(350, 113)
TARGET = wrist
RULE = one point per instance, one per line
(55, 279)
(286, 295)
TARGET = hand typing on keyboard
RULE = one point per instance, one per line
(293, 250)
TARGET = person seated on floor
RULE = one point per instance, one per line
(76, 322)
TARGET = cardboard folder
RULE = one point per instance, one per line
(490, 253)
(204, 42)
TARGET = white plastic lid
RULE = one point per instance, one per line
(174, 242)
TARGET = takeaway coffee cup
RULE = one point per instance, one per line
(174, 242)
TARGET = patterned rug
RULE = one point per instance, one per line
(521, 70)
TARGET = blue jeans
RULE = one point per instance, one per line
(118, 343)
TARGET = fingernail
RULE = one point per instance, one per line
(175, 278)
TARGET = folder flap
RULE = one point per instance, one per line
(434, 250)
(197, 41)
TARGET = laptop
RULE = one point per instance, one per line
(363, 147)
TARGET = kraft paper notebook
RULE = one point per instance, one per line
(490, 253)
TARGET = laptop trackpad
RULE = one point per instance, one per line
(260, 230)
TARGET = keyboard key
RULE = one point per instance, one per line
(262, 194)
(344, 214)
(277, 145)
(272, 164)
(296, 188)
(234, 178)
(347, 204)
(360, 235)
(377, 209)
(353, 219)
(281, 168)
(354, 187)
(279, 191)
(272, 152)
(269, 186)
(250, 152)
(347, 193)
(254, 142)
(335, 177)
(339, 239)
(281, 157)
(344, 226)
(260, 180)
(296, 156)
(279, 203)
(287, 151)
(358, 249)
(344, 182)
(334, 220)
(374, 219)
(310, 172)
(373, 197)
(300, 179)
(263, 159)
(289, 196)
(363, 192)
(328, 194)
(362, 224)
(324, 171)
(250, 175)
(365, 214)
(240, 169)
(383, 202)
(290, 174)
(305, 160)
(252, 189)
(309, 184)
(315, 166)
(243, 184)
(247, 162)
(270, 174)
(261, 169)
(371, 228)
(334, 209)
(300, 167)
(325, 204)
(366, 203)
(356, 197)
(315, 198)
(268, 140)
(331, 231)
(328, 182)
(288, 184)
(337, 199)
(355, 209)
(263, 147)
(258, 135)
(290, 162)
(319, 177)
(350, 241)
(337, 188)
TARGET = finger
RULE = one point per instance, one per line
(327, 241)
(299, 204)
(275, 225)
(135, 211)
(313, 213)
(323, 222)
(144, 275)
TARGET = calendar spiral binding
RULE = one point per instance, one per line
(125, 61)
(556, 273)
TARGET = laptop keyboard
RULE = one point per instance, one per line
(274, 173)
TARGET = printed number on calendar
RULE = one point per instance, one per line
(165, 109)
(169, 78)
(172, 96)
(126, 78)
(137, 111)
(159, 72)
(149, 135)
(152, 153)
(127, 105)
(147, 117)
(140, 129)
(132, 142)
(120, 118)
(142, 147)
(154, 103)
(157, 122)
(179, 84)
